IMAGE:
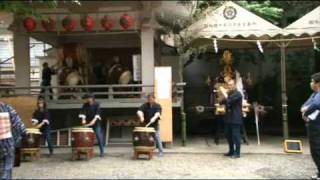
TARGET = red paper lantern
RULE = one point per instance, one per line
(48, 24)
(126, 21)
(107, 22)
(68, 23)
(30, 24)
(87, 23)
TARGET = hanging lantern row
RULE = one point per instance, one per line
(29, 24)
(107, 22)
(87, 23)
(48, 24)
(68, 23)
(126, 21)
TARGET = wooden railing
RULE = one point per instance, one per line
(110, 92)
(70, 95)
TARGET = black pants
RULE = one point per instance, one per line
(218, 128)
(46, 134)
(314, 140)
(233, 133)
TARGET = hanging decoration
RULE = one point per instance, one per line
(29, 24)
(68, 23)
(87, 23)
(126, 21)
(107, 22)
(315, 45)
(48, 24)
(215, 44)
(259, 46)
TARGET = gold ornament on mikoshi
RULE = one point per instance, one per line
(227, 61)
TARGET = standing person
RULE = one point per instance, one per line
(114, 71)
(233, 117)
(11, 130)
(150, 112)
(99, 71)
(310, 113)
(41, 119)
(90, 111)
(47, 72)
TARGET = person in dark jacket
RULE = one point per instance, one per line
(47, 72)
(41, 120)
(233, 118)
(149, 113)
(90, 113)
(310, 113)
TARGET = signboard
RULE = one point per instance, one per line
(136, 61)
(163, 84)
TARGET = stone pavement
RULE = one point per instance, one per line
(206, 145)
(201, 158)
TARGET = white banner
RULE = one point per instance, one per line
(163, 80)
(136, 61)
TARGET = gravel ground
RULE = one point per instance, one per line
(120, 165)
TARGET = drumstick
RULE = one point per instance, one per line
(149, 124)
(86, 125)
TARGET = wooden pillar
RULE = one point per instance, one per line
(147, 56)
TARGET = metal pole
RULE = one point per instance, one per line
(182, 112)
(256, 117)
(183, 125)
(284, 91)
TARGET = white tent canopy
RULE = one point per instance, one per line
(231, 20)
(308, 24)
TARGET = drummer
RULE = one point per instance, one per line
(90, 112)
(41, 120)
(150, 113)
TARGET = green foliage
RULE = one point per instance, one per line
(16, 7)
(264, 9)
(26, 7)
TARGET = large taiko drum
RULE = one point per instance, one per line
(82, 138)
(32, 139)
(125, 77)
(119, 75)
(73, 78)
(143, 138)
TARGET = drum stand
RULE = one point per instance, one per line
(34, 153)
(86, 151)
(146, 152)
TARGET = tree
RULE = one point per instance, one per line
(26, 7)
(264, 9)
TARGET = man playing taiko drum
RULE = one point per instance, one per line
(90, 111)
(150, 113)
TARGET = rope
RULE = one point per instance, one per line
(266, 40)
